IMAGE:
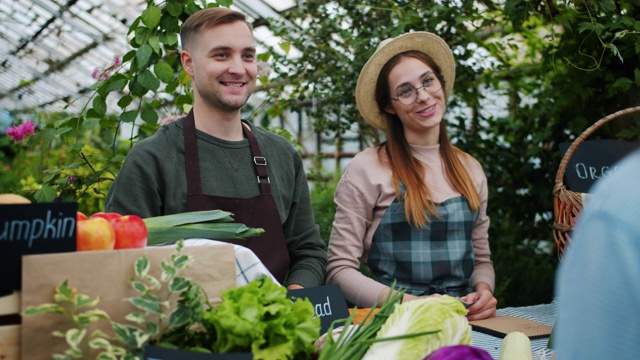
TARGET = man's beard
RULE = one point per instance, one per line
(216, 100)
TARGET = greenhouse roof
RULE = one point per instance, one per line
(49, 48)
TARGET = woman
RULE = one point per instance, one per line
(413, 208)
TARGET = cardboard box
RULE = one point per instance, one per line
(106, 274)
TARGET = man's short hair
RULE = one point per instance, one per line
(207, 18)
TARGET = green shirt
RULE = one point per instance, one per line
(153, 182)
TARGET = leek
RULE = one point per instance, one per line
(211, 224)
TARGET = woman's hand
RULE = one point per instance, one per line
(483, 303)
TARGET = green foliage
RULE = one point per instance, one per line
(158, 318)
(80, 310)
(149, 82)
(63, 163)
(324, 209)
(8, 177)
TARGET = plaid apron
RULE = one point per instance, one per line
(438, 258)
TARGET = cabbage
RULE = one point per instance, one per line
(445, 313)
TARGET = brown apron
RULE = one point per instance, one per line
(258, 212)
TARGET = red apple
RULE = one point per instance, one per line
(131, 232)
(81, 216)
(106, 215)
(95, 234)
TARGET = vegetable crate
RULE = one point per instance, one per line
(568, 204)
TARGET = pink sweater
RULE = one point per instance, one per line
(364, 193)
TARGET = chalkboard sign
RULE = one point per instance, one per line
(158, 353)
(328, 302)
(27, 229)
(593, 160)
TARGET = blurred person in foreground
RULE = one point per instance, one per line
(212, 159)
(598, 281)
(413, 209)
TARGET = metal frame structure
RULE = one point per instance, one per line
(49, 48)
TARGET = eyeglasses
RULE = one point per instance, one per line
(408, 94)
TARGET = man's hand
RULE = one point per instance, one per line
(294, 287)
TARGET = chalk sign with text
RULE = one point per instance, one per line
(593, 160)
(328, 302)
(158, 353)
(27, 229)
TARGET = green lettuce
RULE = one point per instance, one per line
(445, 313)
(261, 319)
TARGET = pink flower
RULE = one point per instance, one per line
(19, 132)
(116, 61)
(100, 74)
(96, 73)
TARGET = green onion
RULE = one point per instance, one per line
(353, 343)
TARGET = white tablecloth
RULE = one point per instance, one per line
(248, 266)
(544, 314)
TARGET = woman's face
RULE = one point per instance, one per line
(420, 119)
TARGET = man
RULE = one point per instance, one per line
(211, 159)
(597, 282)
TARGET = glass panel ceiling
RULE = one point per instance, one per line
(49, 48)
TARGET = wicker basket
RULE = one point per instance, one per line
(568, 204)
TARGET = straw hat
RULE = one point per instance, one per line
(425, 42)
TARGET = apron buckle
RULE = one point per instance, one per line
(260, 160)
(260, 182)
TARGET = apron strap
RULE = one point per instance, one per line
(192, 165)
(259, 162)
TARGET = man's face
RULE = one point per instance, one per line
(222, 64)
